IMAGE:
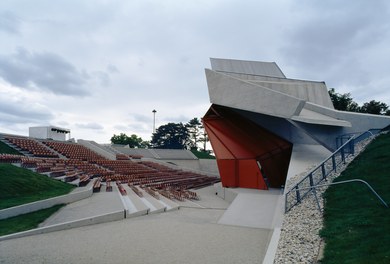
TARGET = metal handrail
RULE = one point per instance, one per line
(312, 188)
(349, 145)
(347, 148)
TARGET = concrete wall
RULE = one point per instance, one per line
(225, 193)
(202, 165)
(232, 92)
(94, 147)
(39, 205)
(119, 215)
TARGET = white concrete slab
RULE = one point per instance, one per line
(304, 157)
(254, 208)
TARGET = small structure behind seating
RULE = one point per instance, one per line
(49, 132)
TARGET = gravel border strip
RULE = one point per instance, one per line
(299, 240)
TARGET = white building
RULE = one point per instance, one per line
(49, 132)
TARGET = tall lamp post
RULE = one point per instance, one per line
(154, 120)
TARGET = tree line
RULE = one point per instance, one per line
(345, 102)
(189, 136)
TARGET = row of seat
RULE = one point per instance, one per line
(31, 146)
(73, 150)
(10, 158)
(84, 165)
(120, 156)
(97, 184)
(121, 189)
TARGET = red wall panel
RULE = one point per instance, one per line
(239, 144)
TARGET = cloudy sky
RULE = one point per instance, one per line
(100, 67)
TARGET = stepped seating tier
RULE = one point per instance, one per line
(32, 147)
(82, 165)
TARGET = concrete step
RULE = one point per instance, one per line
(169, 204)
(154, 204)
(139, 207)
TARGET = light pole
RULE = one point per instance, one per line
(154, 120)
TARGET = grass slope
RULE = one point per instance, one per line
(27, 221)
(202, 154)
(356, 225)
(19, 186)
(4, 148)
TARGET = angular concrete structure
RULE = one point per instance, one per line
(259, 121)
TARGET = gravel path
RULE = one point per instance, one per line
(299, 239)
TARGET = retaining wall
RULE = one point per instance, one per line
(43, 204)
(119, 215)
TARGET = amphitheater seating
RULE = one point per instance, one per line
(73, 150)
(108, 186)
(97, 185)
(83, 164)
(10, 158)
(32, 146)
(84, 180)
(120, 156)
(152, 192)
(121, 189)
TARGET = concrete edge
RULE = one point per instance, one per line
(272, 246)
(98, 219)
(43, 204)
(138, 213)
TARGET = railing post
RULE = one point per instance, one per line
(334, 163)
(352, 146)
(342, 155)
(298, 194)
(323, 171)
(285, 202)
(317, 201)
(311, 179)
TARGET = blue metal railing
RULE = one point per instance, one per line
(301, 189)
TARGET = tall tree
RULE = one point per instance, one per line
(171, 136)
(133, 141)
(374, 107)
(343, 102)
(204, 138)
(194, 130)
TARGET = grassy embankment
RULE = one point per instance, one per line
(4, 148)
(202, 154)
(19, 186)
(356, 225)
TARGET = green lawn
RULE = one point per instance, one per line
(356, 225)
(27, 221)
(202, 154)
(19, 186)
(4, 148)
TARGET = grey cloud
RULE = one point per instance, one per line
(9, 23)
(142, 118)
(121, 127)
(333, 41)
(177, 119)
(142, 129)
(331, 32)
(94, 126)
(102, 77)
(43, 72)
(21, 112)
(112, 69)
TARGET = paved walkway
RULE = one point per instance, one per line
(188, 235)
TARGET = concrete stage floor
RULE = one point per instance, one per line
(189, 235)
